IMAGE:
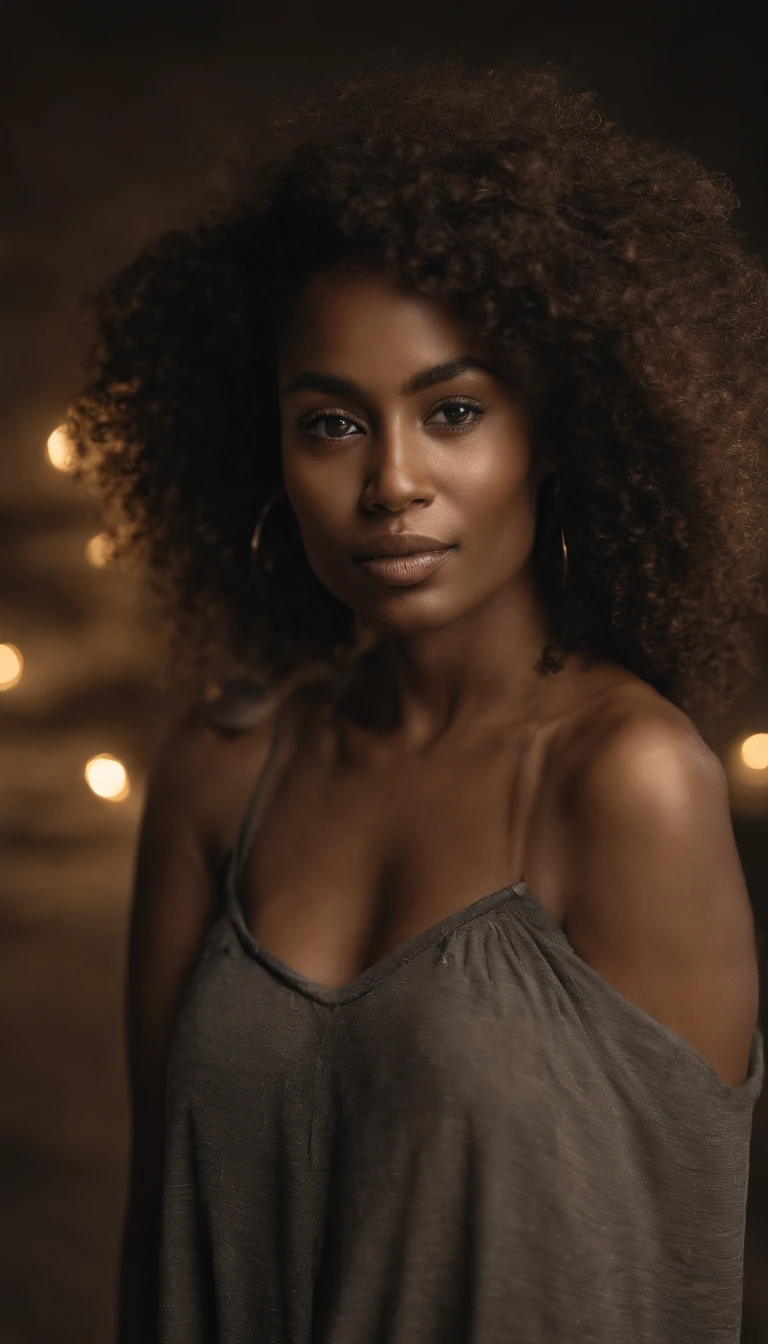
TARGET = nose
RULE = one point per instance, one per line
(396, 473)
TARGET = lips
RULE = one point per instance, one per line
(400, 543)
(401, 571)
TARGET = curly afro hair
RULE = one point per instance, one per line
(603, 271)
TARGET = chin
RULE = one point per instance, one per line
(408, 618)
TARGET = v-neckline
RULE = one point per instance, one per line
(383, 966)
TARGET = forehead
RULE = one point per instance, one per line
(359, 320)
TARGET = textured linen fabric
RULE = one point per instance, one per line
(476, 1141)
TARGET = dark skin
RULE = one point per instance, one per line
(628, 841)
(450, 684)
(462, 642)
(402, 801)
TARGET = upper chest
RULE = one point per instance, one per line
(348, 861)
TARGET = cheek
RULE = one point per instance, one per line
(498, 510)
(503, 541)
(494, 494)
(323, 507)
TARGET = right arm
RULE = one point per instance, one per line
(173, 906)
(197, 791)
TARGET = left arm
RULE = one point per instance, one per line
(659, 905)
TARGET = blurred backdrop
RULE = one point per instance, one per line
(116, 119)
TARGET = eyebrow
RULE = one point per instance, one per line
(334, 385)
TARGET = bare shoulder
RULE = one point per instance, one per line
(633, 744)
(617, 742)
(198, 780)
(658, 903)
(214, 751)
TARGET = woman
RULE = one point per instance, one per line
(443, 990)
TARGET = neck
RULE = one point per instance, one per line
(480, 668)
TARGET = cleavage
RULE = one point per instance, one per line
(348, 864)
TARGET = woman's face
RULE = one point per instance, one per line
(388, 427)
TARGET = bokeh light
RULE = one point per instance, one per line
(11, 666)
(754, 751)
(98, 552)
(60, 451)
(107, 777)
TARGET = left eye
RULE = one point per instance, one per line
(464, 410)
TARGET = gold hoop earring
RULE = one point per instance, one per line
(256, 537)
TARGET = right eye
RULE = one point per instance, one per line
(332, 418)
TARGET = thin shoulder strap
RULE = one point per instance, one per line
(245, 833)
(524, 796)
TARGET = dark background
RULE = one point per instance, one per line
(114, 121)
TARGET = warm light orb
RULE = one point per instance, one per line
(754, 751)
(98, 552)
(11, 666)
(107, 777)
(60, 451)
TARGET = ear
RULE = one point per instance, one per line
(542, 470)
(543, 459)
